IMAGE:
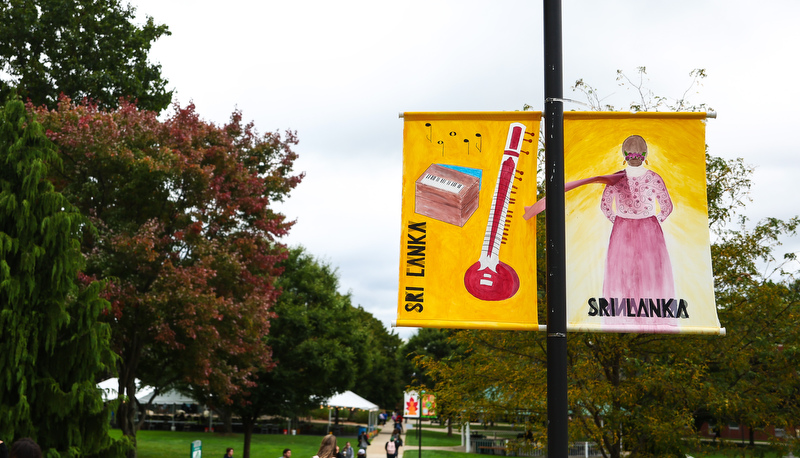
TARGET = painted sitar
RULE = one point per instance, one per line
(490, 279)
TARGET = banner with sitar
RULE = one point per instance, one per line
(467, 257)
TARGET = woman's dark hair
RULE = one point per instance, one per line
(25, 448)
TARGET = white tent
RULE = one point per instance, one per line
(170, 397)
(110, 387)
(144, 393)
(350, 400)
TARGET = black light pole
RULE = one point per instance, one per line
(419, 431)
(557, 405)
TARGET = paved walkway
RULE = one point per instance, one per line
(377, 445)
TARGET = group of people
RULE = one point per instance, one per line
(287, 453)
(329, 449)
(397, 419)
(21, 448)
(393, 445)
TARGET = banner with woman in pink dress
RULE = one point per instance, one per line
(638, 248)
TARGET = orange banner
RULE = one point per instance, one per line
(467, 257)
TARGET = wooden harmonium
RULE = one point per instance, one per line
(446, 195)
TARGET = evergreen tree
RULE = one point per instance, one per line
(52, 346)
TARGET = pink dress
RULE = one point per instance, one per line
(637, 264)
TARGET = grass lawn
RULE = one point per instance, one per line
(431, 438)
(169, 444)
(414, 453)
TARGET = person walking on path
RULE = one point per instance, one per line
(363, 444)
(398, 422)
(378, 447)
(393, 446)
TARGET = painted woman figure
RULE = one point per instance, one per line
(637, 264)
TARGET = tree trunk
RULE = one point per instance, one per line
(247, 424)
(226, 416)
(126, 415)
(616, 378)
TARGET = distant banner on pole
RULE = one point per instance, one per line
(467, 257)
(411, 404)
(637, 239)
(427, 402)
(419, 405)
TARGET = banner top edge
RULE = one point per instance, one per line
(500, 115)
(638, 114)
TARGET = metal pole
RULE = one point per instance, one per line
(557, 439)
(419, 433)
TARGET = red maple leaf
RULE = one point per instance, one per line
(411, 407)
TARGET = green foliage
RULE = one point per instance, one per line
(380, 377)
(81, 48)
(428, 343)
(317, 343)
(52, 345)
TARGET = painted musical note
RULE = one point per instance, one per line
(490, 279)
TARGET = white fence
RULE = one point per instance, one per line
(505, 448)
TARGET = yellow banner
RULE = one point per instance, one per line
(467, 257)
(638, 251)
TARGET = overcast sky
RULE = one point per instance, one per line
(339, 73)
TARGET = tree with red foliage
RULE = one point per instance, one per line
(186, 237)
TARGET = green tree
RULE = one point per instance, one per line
(186, 238)
(316, 340)
(753, 370)
(380, 372)
(485, 375)
(433, 343)
(52, 345)
(82, 48)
